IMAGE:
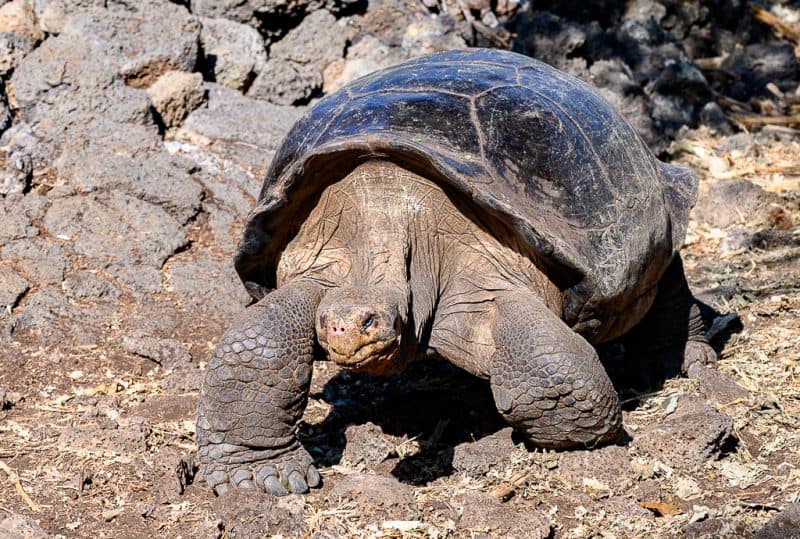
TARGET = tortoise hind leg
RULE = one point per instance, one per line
(547, 381)
(671, 336)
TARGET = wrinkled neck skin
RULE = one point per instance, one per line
(368, 241)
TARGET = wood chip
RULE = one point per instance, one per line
(503, 492)
(661, 509)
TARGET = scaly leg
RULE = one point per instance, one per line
(547, 380)
(254, 393)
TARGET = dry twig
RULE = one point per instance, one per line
(14, 478)
(778, 26)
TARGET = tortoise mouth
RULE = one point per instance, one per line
(368, 356)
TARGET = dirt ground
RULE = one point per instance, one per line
(117, 230)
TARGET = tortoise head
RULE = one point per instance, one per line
(361, 328)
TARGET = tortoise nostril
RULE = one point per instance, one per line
(368, 321)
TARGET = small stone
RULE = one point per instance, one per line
(718, 387)
(21, 527)
(17, 175)
(489, 453)
(366, 445)
(693, 434)
(610, 465)
(723, 203)
(19, 17)
(175, 95)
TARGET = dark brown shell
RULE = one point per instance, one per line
(533, 146)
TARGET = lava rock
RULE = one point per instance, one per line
(208, 284)
(106, 155)
(21, 527)
(19, 17)
(87, 285)
(481, 513)
(16, 176)
(54, 14)
(693, 434)
(234, 52)
(715, 527)
(12, 286)
(156, 37)
(718, 387)
(549, 38)
(610, 465)
(141, 280)
(169, 353)
(753, 66)
(115, 227)
(5, 112)
(40, 258)
(614, 80)
(366, 55)
(175, 94)
(784, 525)
(14, 222)
(13, 48)
(724, 203)
(377, 497)
(240, 129)
(367, 446)
(679, 93)
(249, 513)
(294, 70)
(489, 453)
(62, 89)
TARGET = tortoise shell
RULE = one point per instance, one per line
(536, 148)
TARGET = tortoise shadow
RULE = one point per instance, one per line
(435, 403)
(633, 377)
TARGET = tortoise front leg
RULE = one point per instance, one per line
(547, 380)
(254, 393)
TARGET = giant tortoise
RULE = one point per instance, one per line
(477, 206)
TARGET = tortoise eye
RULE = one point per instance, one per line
(368, 322)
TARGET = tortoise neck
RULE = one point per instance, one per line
(395, 228)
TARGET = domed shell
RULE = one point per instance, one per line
(538, 149)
